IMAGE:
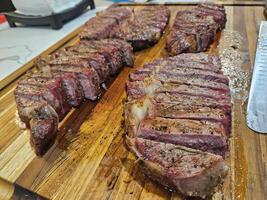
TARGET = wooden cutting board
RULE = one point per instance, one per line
(90, 160)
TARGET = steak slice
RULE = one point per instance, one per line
(194, 91)
(42, 120)
(197, 134)
(145, 27)
(116, 45)
(138, 89)
(139, 36)
(191, 172)
(87, 78)
(172, 78)
(194, 30)
(43, 135)
(55, 87)
(97, 61)
(97, 28)
(72, 90)
(185, 72)
(37, 93)
(112, 58)
(188, 100)
(199, 57)
(117, 13)
(176, 111)
(124, 47)
(181, 63)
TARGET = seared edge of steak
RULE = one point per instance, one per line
(197, 134)
(169, 165)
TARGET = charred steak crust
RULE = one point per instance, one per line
(178, 120)
(190, 172)
(64, 80)
(194, 30)
(142, 28)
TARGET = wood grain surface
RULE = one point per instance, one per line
(90, 160)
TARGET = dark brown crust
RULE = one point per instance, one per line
(201, 184)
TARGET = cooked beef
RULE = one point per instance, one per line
(97, 28)
(42, 119)
(191, 100)
(197, 134)
(182, 100)
(101, 26)
(170, 71)
(199, 58)
(199, 61)
(43, 135)
(95, 60)
(191, 172)
(191, 64)
(54, 85)
(124, 47)
(29, 109)
(85, 75)
(194, 30)
(176, 111)
(145, 28)
(72, 90)
(117, 13)
(115, 45)
(138, 89)
(87, 78)
(172, 78)
(37, 93)
(112, 56)
(142, 28)
(67, 77)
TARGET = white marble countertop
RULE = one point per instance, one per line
(21, 44)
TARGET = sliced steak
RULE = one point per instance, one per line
(37, 93)
(95, 60)
(194, 30)
(43, 135)
(194, 91)
(181, 63)
(185, 72)
(125, 48)
(42, 119)
(197, 134)
(72, 90)
(115, 45)
(112, 58)
(117, 13)
(176, 111)
(189, 171)
(138, 89)
(55, 87)
(172, 78)
(87, 78)
(199, 58)
(184, 99)
(97, 28)
(144, 28)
